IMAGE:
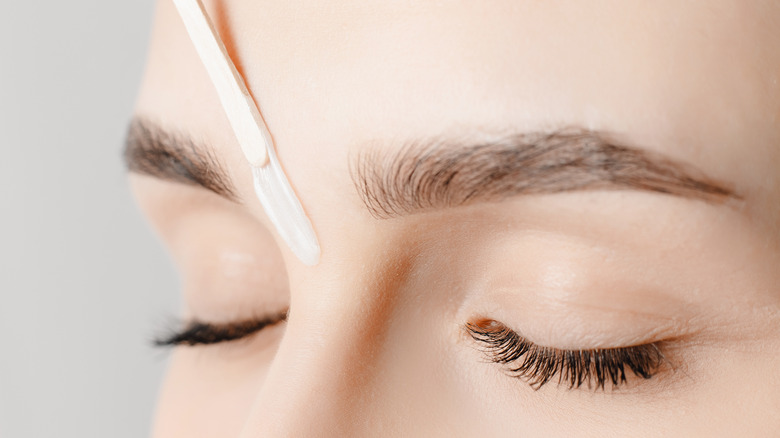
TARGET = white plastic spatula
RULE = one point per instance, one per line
(271, 185)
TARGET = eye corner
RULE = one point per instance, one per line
(483, 326)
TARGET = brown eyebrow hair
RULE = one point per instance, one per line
(150, 150)
(438, 174)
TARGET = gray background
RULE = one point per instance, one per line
(84, 282)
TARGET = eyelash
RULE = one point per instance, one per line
(535, 364)
(539, 365)
(199, 333)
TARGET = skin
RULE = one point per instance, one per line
(374, 344)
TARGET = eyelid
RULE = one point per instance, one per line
(197, 333)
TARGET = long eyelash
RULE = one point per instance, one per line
(201, 333)
(539, 365)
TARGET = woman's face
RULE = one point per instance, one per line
(536, 219)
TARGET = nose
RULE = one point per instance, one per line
(327, 370)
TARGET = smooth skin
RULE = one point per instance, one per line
(374, 344)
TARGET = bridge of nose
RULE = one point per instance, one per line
(331, 363)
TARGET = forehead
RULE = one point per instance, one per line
(696, 80)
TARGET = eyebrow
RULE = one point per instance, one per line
(152, 151)
(439, 174)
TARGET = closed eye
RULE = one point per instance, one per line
(539, 365)
(202, 333)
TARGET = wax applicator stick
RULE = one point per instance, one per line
(241, 109)
(271, 185)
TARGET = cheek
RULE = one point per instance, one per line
(209, 391)
(737, 394)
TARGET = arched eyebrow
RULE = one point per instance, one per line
(152, 151)
(439, 174)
